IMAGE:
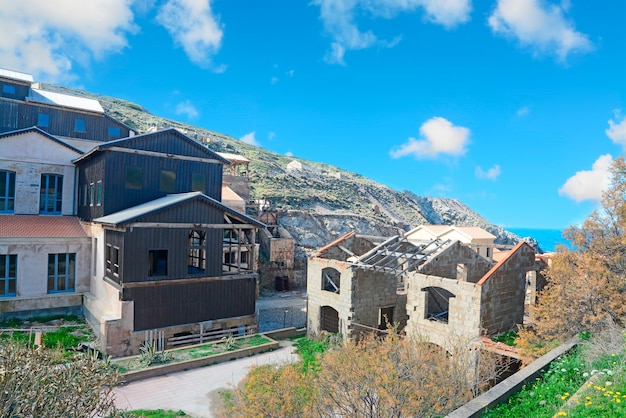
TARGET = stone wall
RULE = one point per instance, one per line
(464, 310)
(361, 296)
(373, 291)
(447, 262)
(504, 291)
(277, 259)
(317, 297)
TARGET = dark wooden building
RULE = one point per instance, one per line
(127, 172)
(170, 248)
(23, 106)
(168, 257)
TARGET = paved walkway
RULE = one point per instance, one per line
(195, 391)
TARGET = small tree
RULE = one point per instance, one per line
(34, 384)
(587, 283)
(374, 377)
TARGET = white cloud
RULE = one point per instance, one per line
(438, 136)
(46, 38)
(539, 26)
(617, 130)
(491, 174)
(447, 13)
(522, 111)
(289, 154)
(192, 24)
(186, 108)
(290, 73)
(250, 139)
(274, 80)
(338, 19)
(271, 135)
(589, 184)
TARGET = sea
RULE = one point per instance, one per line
(548, 239)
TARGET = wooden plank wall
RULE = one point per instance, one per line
(162, 306)
(61, 120)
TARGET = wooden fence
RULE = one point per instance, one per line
(206, 336)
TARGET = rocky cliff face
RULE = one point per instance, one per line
(318, 202)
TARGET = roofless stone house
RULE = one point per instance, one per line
(441, 290)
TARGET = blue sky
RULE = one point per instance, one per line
(515, 107)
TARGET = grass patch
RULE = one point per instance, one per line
(310, 351)
(130, 364)
(58, 331)
(548, 393)
(590, 381)
(507, 338)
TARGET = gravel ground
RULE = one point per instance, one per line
(278, 310)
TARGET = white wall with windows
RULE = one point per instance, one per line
(42, 268)
(38, 175)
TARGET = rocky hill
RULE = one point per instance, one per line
(319, 202)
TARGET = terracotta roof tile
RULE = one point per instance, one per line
(40, 226)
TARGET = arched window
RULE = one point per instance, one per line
(331, 280)
(437, 303)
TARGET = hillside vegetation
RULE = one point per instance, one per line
(321, 202)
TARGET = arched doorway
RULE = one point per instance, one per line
(329, 319)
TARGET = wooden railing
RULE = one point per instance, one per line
(206, 336)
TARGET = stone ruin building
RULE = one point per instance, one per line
(438, 288)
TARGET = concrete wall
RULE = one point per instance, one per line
(278, 256)
(341, 302)
(362, 294)
(504, 291)
(373, 291)
(464, 310)
(238, 184)
(445, 264)
(32, 272)
(29, 155)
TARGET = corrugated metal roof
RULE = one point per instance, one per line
(233, 158)
(121, 141)
(40, 226)
(16, 75)
(59, 99)
(127, 215)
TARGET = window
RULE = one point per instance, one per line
(85, 194)
(112, 261)
(198, 182)
(51, 193)
(437, 303)
(8, 275)
(99, 193)
(488, 252)
(158, 263)
(461, 272)
(43, 120)
(79, 125)
(168, 181)
(134, 178)
(61, 272)
(7, 191)
(115, 131)
(385, 317)
(331, 280)
(8, 89)
(92, 191)
(196, 258)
